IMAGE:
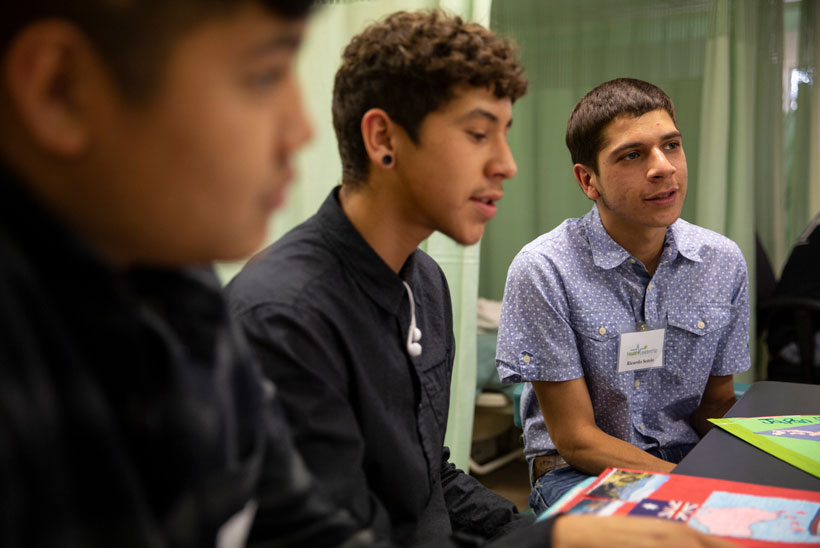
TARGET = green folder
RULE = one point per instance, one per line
(792, 438)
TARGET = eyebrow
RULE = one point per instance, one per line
(482, 113)
(638, 144)
(288, 41)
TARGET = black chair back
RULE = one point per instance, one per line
(804, 313)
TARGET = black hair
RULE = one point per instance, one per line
(619, 97)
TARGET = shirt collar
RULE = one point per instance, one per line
(375, 278)
(680, 240)
(607, 253)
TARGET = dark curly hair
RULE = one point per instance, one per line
(409, 65)
(619, 97)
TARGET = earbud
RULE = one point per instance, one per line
(414, 349)
(413, 346)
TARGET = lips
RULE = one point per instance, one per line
(276, 196)
(664, 194)
(489, 198)
(664, 198)
(488, 201)
(485, 203)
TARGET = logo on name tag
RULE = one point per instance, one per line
(641, 350)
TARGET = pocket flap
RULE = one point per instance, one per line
(700, 320)
(599, 325)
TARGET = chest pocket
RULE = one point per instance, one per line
(597, 336)
(434, 376)
(692, 339)
(600, 325)
(700, 320)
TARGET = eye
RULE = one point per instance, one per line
(477, 135)
(673, 145)
(266, 78)
(631, 155)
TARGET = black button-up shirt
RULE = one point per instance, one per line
(131, 412)
(329, 321)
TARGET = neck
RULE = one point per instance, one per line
(649, 253)
(643, 243)
(57, 190)
(378, 216)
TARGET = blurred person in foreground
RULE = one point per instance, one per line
(141, 140)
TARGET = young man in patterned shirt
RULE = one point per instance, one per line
(628, 322)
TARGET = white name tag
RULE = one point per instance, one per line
(641, 350)
(234, 532)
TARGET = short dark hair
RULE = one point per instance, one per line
(619, 97)
(132, 36)
(408, 65)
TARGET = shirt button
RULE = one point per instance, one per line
(637, 383)
(526, 359)
(649, 287)
(631, 260)
(700, 324)
(602, 330)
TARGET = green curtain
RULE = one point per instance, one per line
(319, 170)
(720, 61)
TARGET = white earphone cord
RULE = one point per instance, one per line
(413, 332)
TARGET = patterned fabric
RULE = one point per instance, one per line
(572, 292)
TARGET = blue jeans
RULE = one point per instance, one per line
(550, 487)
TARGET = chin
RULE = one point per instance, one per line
(238, 248)
(466, 238)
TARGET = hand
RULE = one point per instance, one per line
(578, 531)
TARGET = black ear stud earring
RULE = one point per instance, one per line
(387, 159)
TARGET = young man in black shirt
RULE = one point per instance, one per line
(140, 140)
(354, 323)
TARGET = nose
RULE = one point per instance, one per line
(297, 129)
(502, 164)
(660, 167)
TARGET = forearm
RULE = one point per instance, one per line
(570, 531)
(475, 509)
(591, 450)
(718, 397)
(699, 417)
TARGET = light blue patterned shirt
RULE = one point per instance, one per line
(570, 294)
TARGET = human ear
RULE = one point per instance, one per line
(377, 129)
(44, 77)
(586, 179)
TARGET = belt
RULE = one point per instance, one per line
(546, 463)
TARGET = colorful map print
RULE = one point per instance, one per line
(759, 518)
(750, 515)
(809, 432)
